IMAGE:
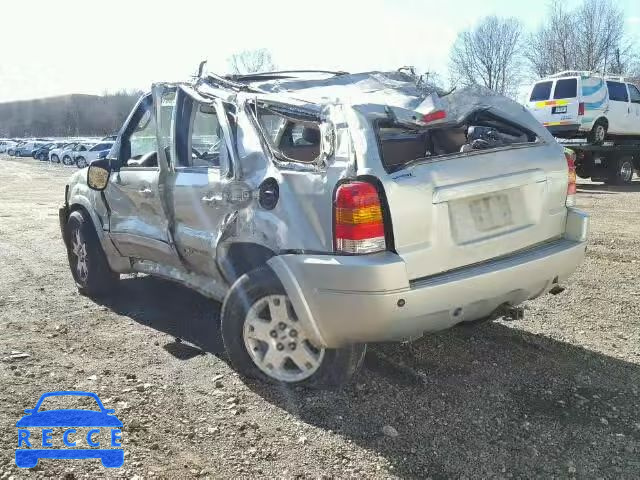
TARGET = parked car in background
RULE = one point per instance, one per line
(67, 155)
(55, 154)
(11, 150)
(585, 104)
(42, 153)
(27, 148)
(84, 158)
(352, 222)
(5, 145)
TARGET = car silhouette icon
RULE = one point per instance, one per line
(68, 419)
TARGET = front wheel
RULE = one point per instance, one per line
(87, 260)
(66, 160)
(264, 338)
(55, 159)
(81, 162)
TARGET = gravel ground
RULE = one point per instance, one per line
(556, 395)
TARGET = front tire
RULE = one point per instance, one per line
(81, 162)
(55, 159)
(66, 160)
(598, 133)
(87, 260)
(264, 338)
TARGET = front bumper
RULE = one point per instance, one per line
(353, 299)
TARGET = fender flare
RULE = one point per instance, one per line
(117, 262)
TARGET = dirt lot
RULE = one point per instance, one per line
(556, 395)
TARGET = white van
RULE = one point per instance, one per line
(584, 104)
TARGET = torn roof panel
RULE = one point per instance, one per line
(377, 88)
(385, 88)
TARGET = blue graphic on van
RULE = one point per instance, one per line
(591, 89)
(595, 105)
(43, 423)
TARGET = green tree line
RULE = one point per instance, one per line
(68, 115)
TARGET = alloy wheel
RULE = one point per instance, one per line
(79, 249)
(276, 342)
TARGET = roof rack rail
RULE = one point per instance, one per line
(571, 73)
(280, 74)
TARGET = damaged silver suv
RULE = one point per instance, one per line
(328, 210)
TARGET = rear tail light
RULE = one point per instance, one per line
(358, 222)
(433, 116)
(571, 183)
(581, 108)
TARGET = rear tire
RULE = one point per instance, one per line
(258, 299)
(41, 157)
(598, 133)
(87, 260)
(621, 171)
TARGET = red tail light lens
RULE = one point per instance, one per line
(581, 108)
(433, 116)
(358, 222)
(571, 183)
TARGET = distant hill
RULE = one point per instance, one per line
(67, 115)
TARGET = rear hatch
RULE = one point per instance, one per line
(503, 193)
(555, 102)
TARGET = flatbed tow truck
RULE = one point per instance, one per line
(611, 163)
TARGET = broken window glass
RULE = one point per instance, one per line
(295, 140)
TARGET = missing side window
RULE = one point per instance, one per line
(293, 138)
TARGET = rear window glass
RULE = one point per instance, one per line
(567, 88)
(617, 92)
(541, 91)
(400, 144)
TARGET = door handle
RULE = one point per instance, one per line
(146, 192)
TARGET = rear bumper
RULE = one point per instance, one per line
(343, 300)
(568, 130)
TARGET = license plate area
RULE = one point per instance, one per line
(562, 109)
(490, 215)
(491, 212)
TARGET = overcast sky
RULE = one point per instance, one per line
(66, 46)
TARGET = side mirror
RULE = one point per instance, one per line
(98, 174)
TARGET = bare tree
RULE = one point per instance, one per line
(489, 55)
(251, 61)
(591, 37)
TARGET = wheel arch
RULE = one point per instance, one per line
(602, 119)
(236, 259)
(117, 262)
